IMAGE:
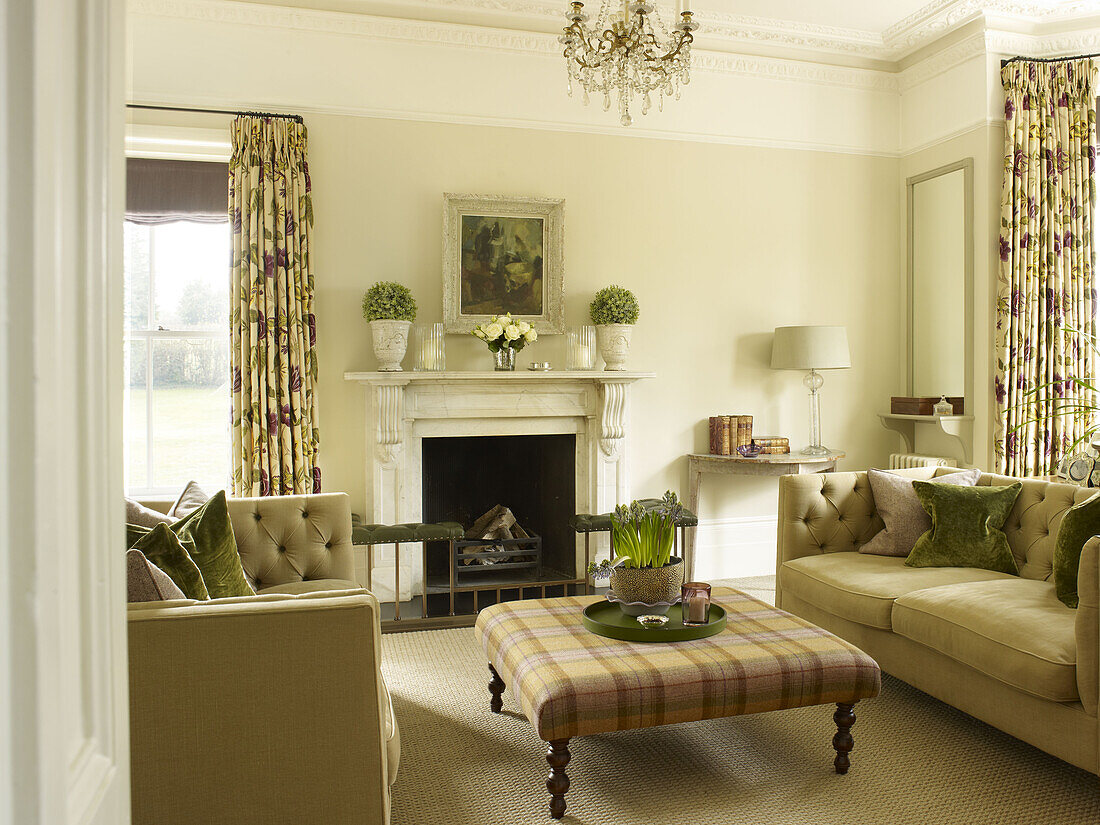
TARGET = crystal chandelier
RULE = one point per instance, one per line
(630, 51)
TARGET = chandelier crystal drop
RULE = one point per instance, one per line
(628, 52)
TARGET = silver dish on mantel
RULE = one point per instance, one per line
(642, 608)
(540, 366)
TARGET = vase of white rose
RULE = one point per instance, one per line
(505, 336)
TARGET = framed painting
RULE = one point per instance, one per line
(500, 255)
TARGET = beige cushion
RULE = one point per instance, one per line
(191, 499)
(139, 514)
(145, 582)
(1014, 630)
(315, 586)
(862, 588)
(901, 511)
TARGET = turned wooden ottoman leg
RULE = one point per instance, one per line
(496, 688)
(557, 754)
(844, 717)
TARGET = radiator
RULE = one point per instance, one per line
(899, 461)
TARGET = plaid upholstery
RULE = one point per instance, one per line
(570, 682)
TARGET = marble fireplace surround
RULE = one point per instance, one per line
(403, 408)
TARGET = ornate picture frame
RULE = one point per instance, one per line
(503, 254)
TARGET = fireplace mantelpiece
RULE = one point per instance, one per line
(403, 408)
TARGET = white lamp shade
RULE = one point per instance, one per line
(810, 348)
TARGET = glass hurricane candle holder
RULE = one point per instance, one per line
(428, 346)
(695, 603)
(581, 348)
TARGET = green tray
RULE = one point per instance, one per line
(606, 619)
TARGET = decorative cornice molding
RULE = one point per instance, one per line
(484, 38)
(944, 60)
(539, 23)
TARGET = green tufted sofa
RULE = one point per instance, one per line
(1002, 648)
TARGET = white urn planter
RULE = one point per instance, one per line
(391, 339)
(614, 343)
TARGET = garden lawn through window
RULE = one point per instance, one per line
(178, 399)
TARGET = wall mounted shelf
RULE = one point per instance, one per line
(959, 427)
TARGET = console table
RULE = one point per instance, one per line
(780, 464)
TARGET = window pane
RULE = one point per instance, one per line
(191, 275)
(136, 261)
(135, 425)
(191, 408)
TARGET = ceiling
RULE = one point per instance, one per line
(868, 33)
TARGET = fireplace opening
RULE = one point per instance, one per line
(532, 477)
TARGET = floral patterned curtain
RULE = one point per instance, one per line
(1046, 297)
(275, 434)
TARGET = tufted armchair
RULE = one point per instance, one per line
(1001, 648)
(270, 708)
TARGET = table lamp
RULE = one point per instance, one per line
(811, 348)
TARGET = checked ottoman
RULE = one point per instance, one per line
(570, 682)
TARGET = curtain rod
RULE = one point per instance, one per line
(1019, 57)
(295, 118)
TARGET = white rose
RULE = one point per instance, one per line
(512, 331)
(479, 332)
(523, 327)
(531, 336)
(493, 331)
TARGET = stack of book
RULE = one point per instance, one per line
(772, 444)
(728, 432)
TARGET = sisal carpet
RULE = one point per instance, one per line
(916, 760)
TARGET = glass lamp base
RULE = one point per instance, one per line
(817, 449)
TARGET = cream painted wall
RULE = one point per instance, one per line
(721, 244)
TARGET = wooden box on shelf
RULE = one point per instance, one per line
(922, 405)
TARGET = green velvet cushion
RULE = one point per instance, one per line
(966, 527)
(1080, 523)
(162, 547)
(207, 535)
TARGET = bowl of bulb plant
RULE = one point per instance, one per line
(645, 577)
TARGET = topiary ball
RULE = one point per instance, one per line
(389, 301)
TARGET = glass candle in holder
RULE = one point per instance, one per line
(695, 603)
(428, 347)
(581, 346)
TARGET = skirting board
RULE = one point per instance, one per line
(735, 547)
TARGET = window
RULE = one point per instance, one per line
(178, 396)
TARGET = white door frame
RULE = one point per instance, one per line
(64, 745)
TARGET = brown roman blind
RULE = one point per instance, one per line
(160, 191)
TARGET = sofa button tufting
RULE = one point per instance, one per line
(282, 549)
(257, 516)
(305, 514)
(328, 544)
